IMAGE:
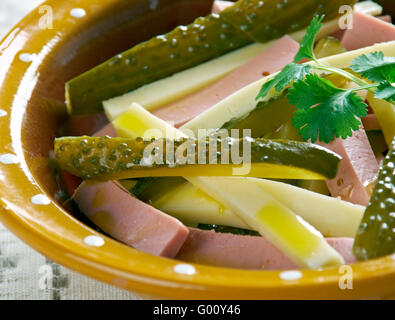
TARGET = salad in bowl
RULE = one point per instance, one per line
(241, 140)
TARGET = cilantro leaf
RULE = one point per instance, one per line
(291, 72)
(306, 49)
(385, 91)
(375, 67)
(325, 111)
(378, 68)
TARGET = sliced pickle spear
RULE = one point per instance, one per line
(376, 234)
(328, 46)
(187, 46)
(104, 158)
(261, 211)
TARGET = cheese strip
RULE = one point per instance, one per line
(245, 252)
(111, 207)
(243, 101)
(167, 90)
(331, 216)
(271, 60)
(259, 210)
(181, 84)
(277, 223)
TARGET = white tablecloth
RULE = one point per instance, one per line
(21, 268)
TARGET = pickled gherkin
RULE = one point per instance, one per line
(272, 119)
(187, 46)
(261, 21)
(376, 234)
(160, 57)
(104, 158)
(266, 119)
(328, 46)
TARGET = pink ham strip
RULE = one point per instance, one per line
(112, 208)
(209, 247)
(339, 34)
(271, 60)
(359, 165)
(357, 168)
(245, 252)
(218, 6)
(201, 246)
(366, 31)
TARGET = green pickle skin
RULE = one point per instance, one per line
(188, 46)
(155, 59)
(262, 21)
(376, 234)
(265, 119)
(105, 158)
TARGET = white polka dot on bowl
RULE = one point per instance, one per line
(184, 268)
(8, 159)
(41, 200)
(291, 275)
(3, 113)
(94, 241)
(26, 57)
(77, 13)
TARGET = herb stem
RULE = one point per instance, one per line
(367, 87)
(344, 74)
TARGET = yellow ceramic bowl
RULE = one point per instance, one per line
(36, 59)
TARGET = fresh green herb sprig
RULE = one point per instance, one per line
(325, 111)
